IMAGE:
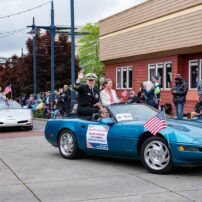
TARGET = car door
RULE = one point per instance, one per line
(111, 138)
(132, 131)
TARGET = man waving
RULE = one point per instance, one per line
(89, 96)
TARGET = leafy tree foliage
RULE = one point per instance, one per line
(19, 70)
(88, 51)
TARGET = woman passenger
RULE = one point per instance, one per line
(108, 95)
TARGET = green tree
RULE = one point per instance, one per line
(88, 51)
(19, 72)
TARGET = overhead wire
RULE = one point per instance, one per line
(25, 11)
(12, 33)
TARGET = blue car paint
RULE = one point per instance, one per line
(55, 126)
(123, 138)
(186, 158)
(182, 131)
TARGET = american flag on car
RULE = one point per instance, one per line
(157, 123)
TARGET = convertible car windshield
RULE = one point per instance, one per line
(133, 112)
(9, 105)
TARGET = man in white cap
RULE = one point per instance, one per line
(89, 95)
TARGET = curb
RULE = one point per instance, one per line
(40, 119)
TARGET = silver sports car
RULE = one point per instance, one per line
(13, 115)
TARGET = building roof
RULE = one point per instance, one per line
(153, 27)
(133, 7)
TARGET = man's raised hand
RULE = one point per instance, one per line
(80, 74)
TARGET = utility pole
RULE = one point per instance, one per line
(73, 94)
(53, 29)
(21, 66)
(34, 59)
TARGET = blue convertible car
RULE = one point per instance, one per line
(123, 135)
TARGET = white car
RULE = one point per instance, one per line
(13, 115)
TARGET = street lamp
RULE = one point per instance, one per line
(73, 93)
(52, 28)
(33, 34)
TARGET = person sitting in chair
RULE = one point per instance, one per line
(197, 111)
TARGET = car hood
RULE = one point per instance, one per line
(185, 130)
(17, 114)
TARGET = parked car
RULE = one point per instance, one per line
(123, 135)
(13, 115)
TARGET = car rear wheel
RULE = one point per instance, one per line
(156, 156)
(67, 145)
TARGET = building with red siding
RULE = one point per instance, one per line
(154, 38)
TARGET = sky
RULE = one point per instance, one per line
(86, 11)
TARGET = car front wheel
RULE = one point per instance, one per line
(156, 156)
(67, 145)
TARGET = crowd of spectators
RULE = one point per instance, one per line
(52, 106)
(92, 100)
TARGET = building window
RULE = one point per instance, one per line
(124, 77)
(193, 74)
(164, 73)
(118, 77)
(168, 74)
(152, 72)
(130, 77)
(159, 73)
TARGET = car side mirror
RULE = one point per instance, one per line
(107, 121)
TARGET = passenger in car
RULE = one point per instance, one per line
(108, 95)
(103, 113)
(89, 96)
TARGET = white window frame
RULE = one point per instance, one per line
(162, 67)
(117, 77)
(190, 61)
(157, 67)
(124, 67)
(151, 66)
(127, 77)
(165, 78)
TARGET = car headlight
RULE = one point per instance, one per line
(193, 149)
(29, 120)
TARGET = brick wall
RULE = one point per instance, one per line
(140, 73)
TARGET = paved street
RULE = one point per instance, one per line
(13, 133)
(33, 170)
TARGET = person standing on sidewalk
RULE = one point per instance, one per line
(67, 99)
(150, 97)
(2, 96)
(179, 92)
(46, 104)
(157, 89)
(199, 89)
